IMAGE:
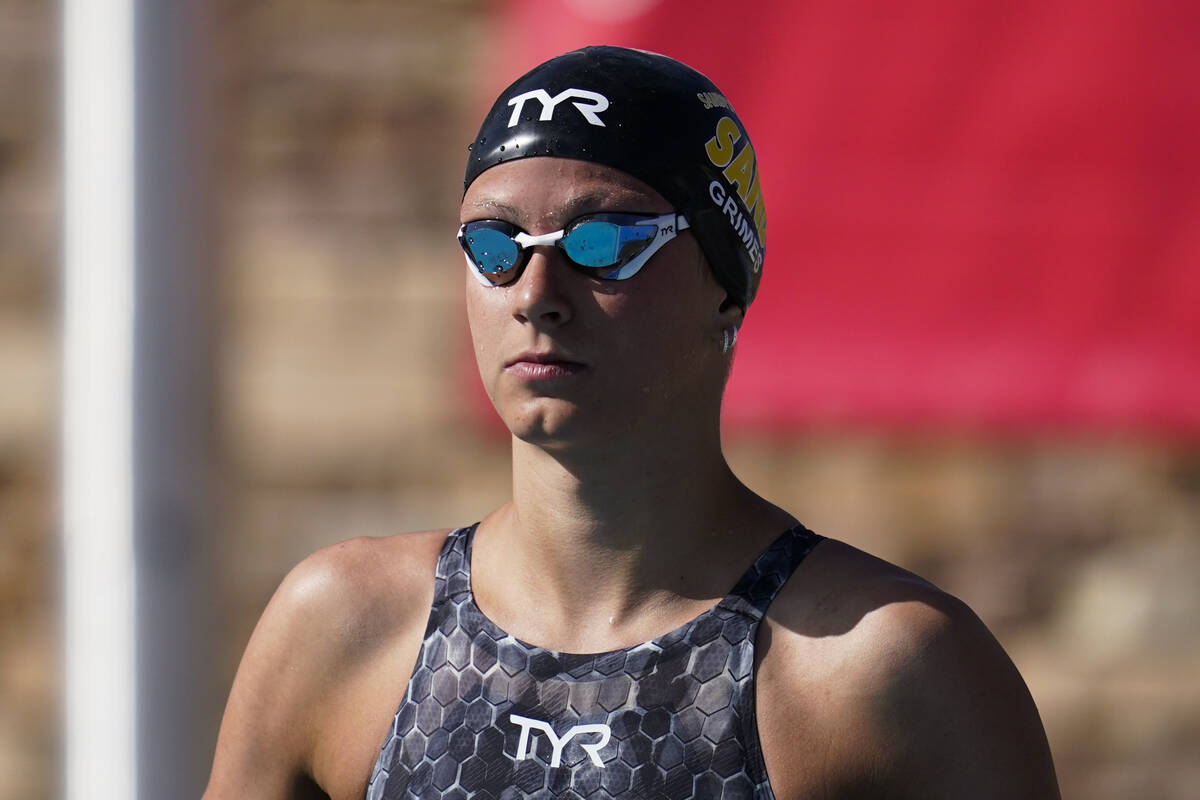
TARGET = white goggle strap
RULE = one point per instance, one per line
(525, 240)
(669, 226)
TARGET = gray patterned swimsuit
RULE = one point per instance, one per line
(488, 716)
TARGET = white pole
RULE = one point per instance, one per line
(97, 492)
(137, 408)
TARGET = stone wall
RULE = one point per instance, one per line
(347, 408)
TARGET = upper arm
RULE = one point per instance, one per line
(264, 741)
(951, 710)
(327, 619)
(874, 683)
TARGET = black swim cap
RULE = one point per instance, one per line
(658, 120)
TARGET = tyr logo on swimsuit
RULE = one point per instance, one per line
(527, 744)
(590, 111)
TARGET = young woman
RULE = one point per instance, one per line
(635, 622)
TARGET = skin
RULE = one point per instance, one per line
(870, 681)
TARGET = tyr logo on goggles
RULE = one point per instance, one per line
(611, 247)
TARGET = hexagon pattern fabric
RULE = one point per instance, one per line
(488, 716)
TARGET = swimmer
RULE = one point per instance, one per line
(635, 622)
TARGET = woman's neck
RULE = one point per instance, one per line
(617, 544)
(620, 496)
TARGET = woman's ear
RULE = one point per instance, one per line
(731, 313)
(729, 319)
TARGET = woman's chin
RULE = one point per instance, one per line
(552, 424)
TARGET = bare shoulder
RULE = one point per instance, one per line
(361, 579)
(346, 599)
(903, 688)
(337, 617)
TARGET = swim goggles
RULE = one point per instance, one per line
(612, 247)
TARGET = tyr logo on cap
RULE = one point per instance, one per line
(590, 111)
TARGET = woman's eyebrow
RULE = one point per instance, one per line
(575, 207)
(497, 207)
(616, 200)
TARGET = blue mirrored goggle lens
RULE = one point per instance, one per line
(597, 243)
(493, 251)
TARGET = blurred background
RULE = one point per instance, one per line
(976, 351)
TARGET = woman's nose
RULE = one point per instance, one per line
(539, 296)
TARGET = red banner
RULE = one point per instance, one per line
(980, 214)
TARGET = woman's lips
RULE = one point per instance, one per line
(543, 370)
(542, 366)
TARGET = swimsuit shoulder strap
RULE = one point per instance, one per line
(453, 576)
(770, 571)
